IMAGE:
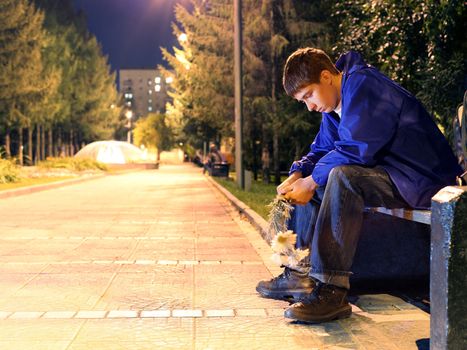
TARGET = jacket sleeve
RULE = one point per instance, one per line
(323, 143)
(370, 113)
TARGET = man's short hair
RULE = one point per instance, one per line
(304, 67)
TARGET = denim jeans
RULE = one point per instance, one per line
(332, 228)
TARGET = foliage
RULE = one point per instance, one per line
(153, 132)
(9, 171)
(71, 163)
(54, 78)
(203, 91)
(420, 44)
(21, 40)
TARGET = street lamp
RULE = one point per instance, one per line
(238, 92)
(129, 115)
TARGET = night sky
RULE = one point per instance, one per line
(131, 32)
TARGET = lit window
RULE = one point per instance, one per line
(128, 103)
(169, 80)
(150, 91)
(158, 88)
(129, 96)
(150, 108)
(149, 82)
(158, 80)
(149, 101)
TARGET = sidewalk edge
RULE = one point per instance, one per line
(253, 217)
(39, 188)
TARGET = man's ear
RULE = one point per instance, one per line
(325, 77)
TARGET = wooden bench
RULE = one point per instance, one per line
(448, 254)
(421, 216)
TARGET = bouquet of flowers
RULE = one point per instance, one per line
(283, 240)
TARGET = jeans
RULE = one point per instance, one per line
(335, 219)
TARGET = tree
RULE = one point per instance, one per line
(86, 100)
(152, 132)
(21, 41)
(203, 89)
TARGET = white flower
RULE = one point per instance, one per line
(280, 259)
(284, 242)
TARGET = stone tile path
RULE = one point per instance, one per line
(159, 260)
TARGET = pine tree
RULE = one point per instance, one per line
(21, 41)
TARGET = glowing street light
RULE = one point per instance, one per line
(183, 38)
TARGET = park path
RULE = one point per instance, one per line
(159, 260)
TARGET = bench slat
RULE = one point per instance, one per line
(422, 216)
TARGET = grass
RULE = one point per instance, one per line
(257, 199)
(23, 182)
(71, 163)
(52, 170)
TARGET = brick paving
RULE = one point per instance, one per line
(159, 260)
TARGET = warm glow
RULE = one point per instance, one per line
(180, 56)
(169, 80)
(158, 88)
(182, 38)
(129, 114)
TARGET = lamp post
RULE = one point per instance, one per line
(129, 115)
(238, 92)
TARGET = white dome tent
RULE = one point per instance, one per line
(113, 152)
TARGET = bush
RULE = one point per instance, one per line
(71, 163)
(9, 171)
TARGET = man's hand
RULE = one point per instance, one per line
(289, 181)
(301, 191)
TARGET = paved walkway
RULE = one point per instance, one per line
(159, 260)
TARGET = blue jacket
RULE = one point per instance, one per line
(381, 124)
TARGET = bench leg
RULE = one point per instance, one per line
(448, 277)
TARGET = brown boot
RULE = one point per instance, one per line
(325, 303)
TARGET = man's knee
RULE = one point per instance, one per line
(344, 172)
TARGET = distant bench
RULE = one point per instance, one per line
(219, 169)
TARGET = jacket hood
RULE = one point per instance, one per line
(350, 62)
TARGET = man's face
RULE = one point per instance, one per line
(322, 97)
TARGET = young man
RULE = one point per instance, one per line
(377, 146)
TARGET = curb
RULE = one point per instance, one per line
(253, 217)
(38, 188)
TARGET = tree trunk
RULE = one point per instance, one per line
(8, 143)
(42, 143)
(30, 147)
(265, 161)
(59, 143)
(50, 143)
(37, 155)
(72, 147)
(275, 150)
(20, 146)
(275, 127)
